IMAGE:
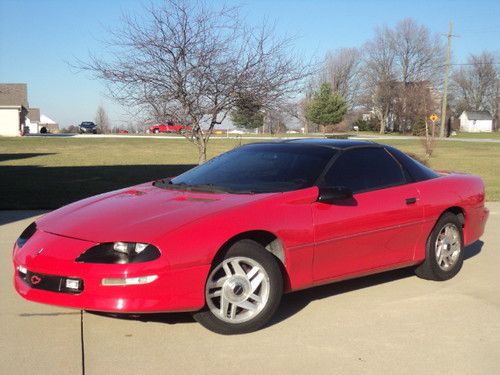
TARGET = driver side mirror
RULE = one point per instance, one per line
(332, 194)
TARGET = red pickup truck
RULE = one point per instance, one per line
(169, 127)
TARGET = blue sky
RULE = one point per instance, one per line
(38, 38)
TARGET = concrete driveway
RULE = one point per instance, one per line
(391, 323)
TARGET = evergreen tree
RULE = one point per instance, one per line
(248, 113)
(326, 107)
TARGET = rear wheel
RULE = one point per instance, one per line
(156, 131)
(444, 253)
(242, 291)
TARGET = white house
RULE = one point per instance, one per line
(13, 108)
(32, 121)
(16, 117)
(476, 121)
(49, 124)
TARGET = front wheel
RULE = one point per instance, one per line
(444, 253)
(243, 290)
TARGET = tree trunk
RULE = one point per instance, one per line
(201, 143)
(202, 152)
(382, 124)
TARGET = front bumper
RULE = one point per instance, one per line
(173, 290)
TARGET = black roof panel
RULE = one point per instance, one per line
(335, 143)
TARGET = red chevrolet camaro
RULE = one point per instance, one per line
(227, 238)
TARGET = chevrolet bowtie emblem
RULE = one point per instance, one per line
(35, 279)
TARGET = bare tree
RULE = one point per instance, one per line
(190, 63)
(418, 54)
(418, 58)
(476, 86)
(342, 70)
(380, 75)
(399, 62)
(102, 120)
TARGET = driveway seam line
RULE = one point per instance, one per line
(82, 342)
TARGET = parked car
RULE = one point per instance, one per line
(236, 131)
(87, 127)
(122, 131)
(170, 127)
(227, 238)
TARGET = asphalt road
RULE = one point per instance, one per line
(391, 323)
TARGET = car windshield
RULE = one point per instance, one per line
(87, 124)
(258, 168)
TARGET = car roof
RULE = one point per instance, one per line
(333, 143)
(321, 142)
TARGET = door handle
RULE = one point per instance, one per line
(411, 200)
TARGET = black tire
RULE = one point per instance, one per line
(156, 131)
(245, 249)
(431, 269)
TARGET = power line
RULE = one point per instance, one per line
(477, 63)
(493, 30)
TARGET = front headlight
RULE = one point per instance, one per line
(120, 253)
(26, 235)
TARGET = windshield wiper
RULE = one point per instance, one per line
(211, 188)
(206, 187)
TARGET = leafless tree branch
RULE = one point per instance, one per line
(188, 62)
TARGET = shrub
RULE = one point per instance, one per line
(370, 125)
(418, 128)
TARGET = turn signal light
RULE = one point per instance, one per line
(129, 280)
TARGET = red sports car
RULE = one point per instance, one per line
(227, 238)
(170, 127)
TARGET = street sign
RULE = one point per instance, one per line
(433, 117)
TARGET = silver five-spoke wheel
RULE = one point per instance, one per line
(237, 289)
(448, 246)
(243, 289)
(444, 253)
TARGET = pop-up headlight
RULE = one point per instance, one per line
(120, 253)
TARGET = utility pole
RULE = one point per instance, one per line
(445, 87)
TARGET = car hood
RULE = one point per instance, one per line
(138, 214)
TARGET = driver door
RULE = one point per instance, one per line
(378, 228)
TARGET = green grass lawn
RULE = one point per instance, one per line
(492, 135)
(482, 159)
(37, 173)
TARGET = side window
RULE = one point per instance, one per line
(365, 169)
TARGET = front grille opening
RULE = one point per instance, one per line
(51, 283)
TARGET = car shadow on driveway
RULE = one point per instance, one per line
(166, 318)
(7, 217)
(293, 303)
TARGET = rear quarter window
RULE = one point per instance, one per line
(416, 170)
(365, 169)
